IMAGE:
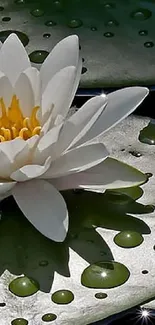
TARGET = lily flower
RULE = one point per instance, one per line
(42, 150)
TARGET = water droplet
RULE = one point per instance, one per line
(108, 34)
(23, 37)
(43, 263)
(133, 192)
(37, 12)
(116, 197)
(24, 286)
(149, 175)
(84, 70)
(62, 297)
(46, 35)
(143, 32)
(100, 295)
(147, 135)
(145, 272)
(49, 317)
(105, 275)
(58, 5)
(6, 19)
(2, 304)
(50, 23)
(148, 44)
(38, 56)
(93, 28)
(109, 5)
(128, 239)
(141, 14)
(19, 2)
(74, 23)
(83, 59)
(19, 321)
(135, 153)
(1, 8)
(112, 23)
(149, 208)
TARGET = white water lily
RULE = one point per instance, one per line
(41, 150)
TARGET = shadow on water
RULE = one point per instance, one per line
(23, 250)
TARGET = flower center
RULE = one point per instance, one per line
(14, 125)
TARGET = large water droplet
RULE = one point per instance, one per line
(108, 34)
(133, 192)
(50, 23)
(37, 12)
(2, 304)
(62, 297)
(143, 32)
(74, 23)
(148, 44)
(105, 275)
(128, 239)
(49, 317)
(38, 56)
(116, 197)
(147, 135)
(19, 321)
(1, 8)
(23, 37)
(100, 295)
(141, 14)
(23, 286)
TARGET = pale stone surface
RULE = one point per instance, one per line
(22, 249)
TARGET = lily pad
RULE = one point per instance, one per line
(95, 220)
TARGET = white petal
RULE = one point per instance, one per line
(77, 160)
(65, 53)
(77, 78)
(58, 93)
(30, 171)
(47, 146)
(6, 187)
(121, 103)
(33, 141)
(80, 122)
(44, 207)
(13, 58)
(34, 78)
(6, 90)
(24, 92)
(13, 155)
(110, 174)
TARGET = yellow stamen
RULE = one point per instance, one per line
(36, 130)
(6, 133)
(14, 132)
(34, 120)
(14, 125)
(2, 139)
